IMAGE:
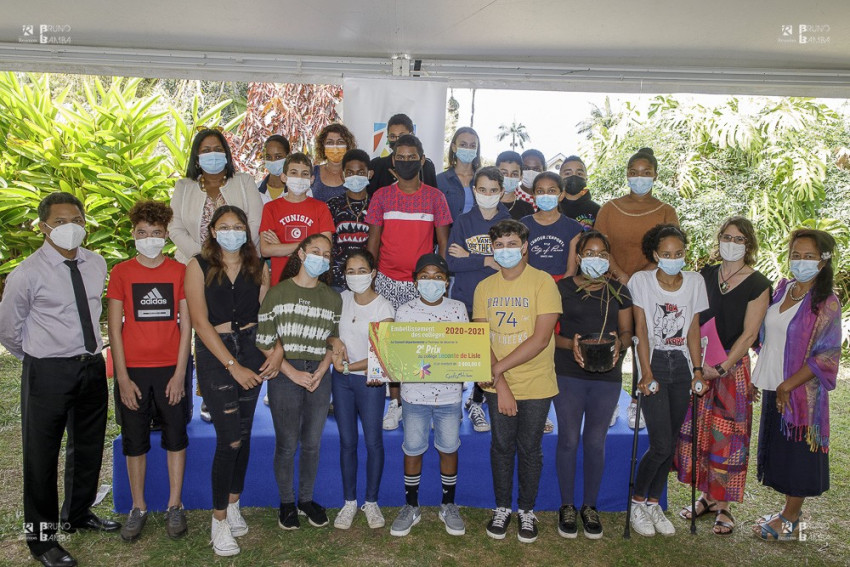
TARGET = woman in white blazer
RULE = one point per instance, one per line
(210, 182)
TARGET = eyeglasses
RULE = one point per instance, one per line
(592, 254)
(234, 227)
(735, 239)
(336, 144)
(205, 127)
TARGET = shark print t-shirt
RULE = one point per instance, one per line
(669, 313)
(351, 232)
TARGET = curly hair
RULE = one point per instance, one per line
(656, 234)
(151, 212)
(336, 128)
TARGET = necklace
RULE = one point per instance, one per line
(724, 283)
(791, 293)
(351, 208)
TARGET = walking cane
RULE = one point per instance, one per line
(694, 408)
(636, 393)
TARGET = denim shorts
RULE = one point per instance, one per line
(417, 427)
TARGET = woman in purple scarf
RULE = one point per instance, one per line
(797, 367)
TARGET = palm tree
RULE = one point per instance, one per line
(517, 132)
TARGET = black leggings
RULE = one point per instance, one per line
(232, 410)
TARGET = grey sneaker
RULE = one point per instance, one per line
(476, 416)
(450, 515)
(132, 528)
(408, 517)
(175, 522)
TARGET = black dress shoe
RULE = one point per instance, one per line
(56, 557)
(92, 522)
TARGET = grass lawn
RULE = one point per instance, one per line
(827, 518)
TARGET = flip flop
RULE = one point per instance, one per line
(706, 508)
(730, 525)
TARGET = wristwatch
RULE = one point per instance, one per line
(697, 368)
(720, 370)
(229, 364)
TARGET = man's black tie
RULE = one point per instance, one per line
(82, 306)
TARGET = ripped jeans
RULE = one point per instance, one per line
(232, 410)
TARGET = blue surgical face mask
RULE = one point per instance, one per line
(212, 162)
(316, 265)
(431, 290)
(594, 266)
(231, 240)
(356, 183)
(640, 185)
(511, 183)
(507, 257)
(275, 167)
(671, 266)
(466, 155)
(804, 270)
(546, 202)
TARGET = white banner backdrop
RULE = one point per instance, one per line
(367, 104)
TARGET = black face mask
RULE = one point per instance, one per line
(575, 184)
(407, 170)
(392, 144)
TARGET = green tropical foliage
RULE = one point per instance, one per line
(780, 162)
(108, 144)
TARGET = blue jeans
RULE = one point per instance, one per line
(593, 400)
(664, 412)
(299, 418)
(417, 427)
(352, 397)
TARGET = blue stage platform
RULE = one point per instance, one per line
(475, 481)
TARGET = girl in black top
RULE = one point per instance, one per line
(589, 307)
(224, 286)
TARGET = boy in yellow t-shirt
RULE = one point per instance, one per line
(522, 305)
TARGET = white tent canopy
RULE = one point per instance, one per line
(781, 47)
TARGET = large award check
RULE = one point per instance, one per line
(429, 352)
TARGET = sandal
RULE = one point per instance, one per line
(685, 513)
(789, 531)
(730, 525)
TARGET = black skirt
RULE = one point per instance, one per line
(787, 465)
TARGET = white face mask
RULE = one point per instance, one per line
(487, 201)
(731, 251)
(67, 236)
(150, 247)
(528, 177)
(358, 283)
(298, 185)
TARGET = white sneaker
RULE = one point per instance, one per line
(632, 413)
(640, 520)
(373, 515)
(476, 416)
(662, 525)
(615, 415)
(393, 416)
(222, 540)
(345, 516)
(238, 525)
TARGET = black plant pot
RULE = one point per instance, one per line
(597, 351)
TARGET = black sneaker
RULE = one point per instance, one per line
(527, 526)
(567, 521)
(287, 517)
(592, 525)
(315, 514)
(498, 524)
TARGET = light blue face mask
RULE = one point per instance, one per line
(511, 183)
(275, 167)
(466, 155)
(213, 162)
(546, 202)
(640, 185)
(804, 270)
(671, 266)
(231, 240)
(507, 257)
(431, 290)
(356, 183)
(316, 265)
(594, 266)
